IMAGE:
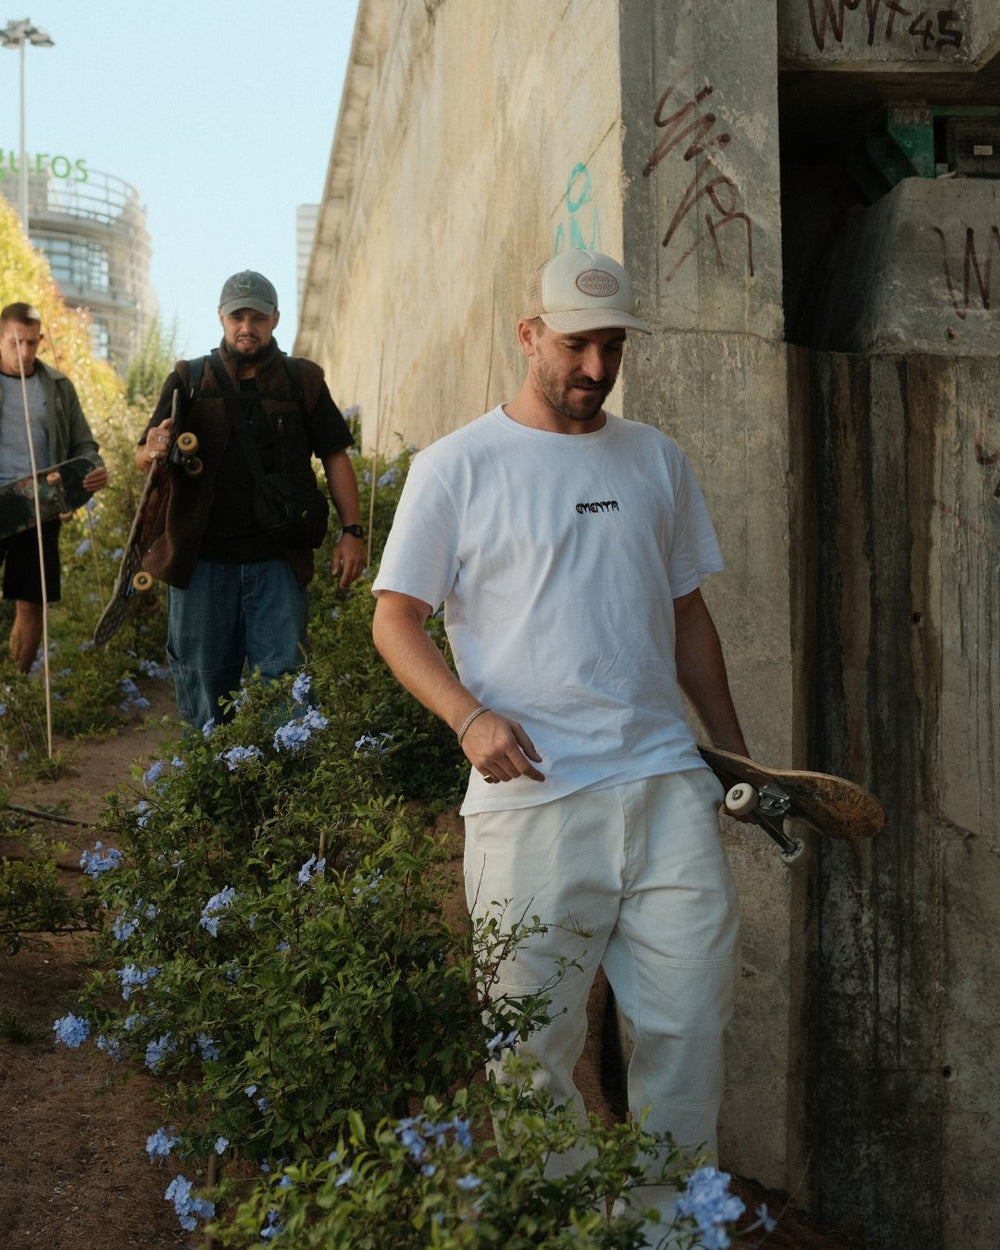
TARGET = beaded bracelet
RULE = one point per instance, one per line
(464, 727)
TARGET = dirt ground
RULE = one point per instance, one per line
(74, 1174)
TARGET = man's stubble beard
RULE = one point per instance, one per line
(556, 396)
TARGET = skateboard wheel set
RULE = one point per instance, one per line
(142, 581)
(741, 800)
(187, 445)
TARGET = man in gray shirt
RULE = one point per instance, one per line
(59, 431)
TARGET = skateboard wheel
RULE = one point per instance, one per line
(142, 581)
(741, 800)
(194, 466)
(187, 442)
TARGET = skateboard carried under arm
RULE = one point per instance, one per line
(773, 798)
(132, 579)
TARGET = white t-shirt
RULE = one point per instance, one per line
(558, 558)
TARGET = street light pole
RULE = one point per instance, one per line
(19, 35)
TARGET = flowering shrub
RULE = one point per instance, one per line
(278, 956)
(428, 1180)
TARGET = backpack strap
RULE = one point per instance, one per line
(196, 368)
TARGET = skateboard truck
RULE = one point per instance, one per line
(769, 805)
(183, 453)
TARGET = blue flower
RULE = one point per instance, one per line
(272, 1228)
(293, 736)
(154, 669)
(160, 1143)
(209, 1050)
(71, 1030)
(369, 744)
(213, 909)
(111, 1046)
(153, 773)
(501, 1042)
(133, 696)
(82, 548)
(208, 728)
(310, 869)
(220, 1145)
(388, 478)
(261, 1101)
(157, 1051)
(188, 1208)
(131, 977)
(94, 862)
(468, 1182)
(124, 927)
(707, 1201)
(300, 688)
(236, 756)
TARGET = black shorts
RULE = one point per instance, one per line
(21, 576)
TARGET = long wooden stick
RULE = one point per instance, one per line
(41, 549)
(373, 485)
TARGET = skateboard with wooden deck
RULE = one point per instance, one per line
(59, 490)
(777, 798)
(132, 580)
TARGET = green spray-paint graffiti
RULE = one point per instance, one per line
(582, 216)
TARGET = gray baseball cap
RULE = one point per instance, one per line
(248, 289)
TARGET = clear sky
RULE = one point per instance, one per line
(220, 113)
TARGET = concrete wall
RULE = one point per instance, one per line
(901, 1092)
(883, 34)
(489, 137)
(915, 272)
(702, 234)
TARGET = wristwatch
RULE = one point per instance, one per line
(357, 530)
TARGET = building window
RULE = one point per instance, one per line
(79, 263)
(100, 339)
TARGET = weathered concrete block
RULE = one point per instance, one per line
(915, 273)
(886, 34)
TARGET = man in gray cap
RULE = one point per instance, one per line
(568, 547)
(237, 589)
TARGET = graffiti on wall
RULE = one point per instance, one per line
(694, 136)
(985, 456)
(584, 218)
(977, 270)
(935, 29)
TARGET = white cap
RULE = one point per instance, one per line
(579, 290)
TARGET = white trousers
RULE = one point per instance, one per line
(641, 867)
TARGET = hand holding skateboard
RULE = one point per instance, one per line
(774, 798)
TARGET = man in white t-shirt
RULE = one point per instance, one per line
(568, 546)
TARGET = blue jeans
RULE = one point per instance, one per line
(231, 614)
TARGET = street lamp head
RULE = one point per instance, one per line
(17, 34)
